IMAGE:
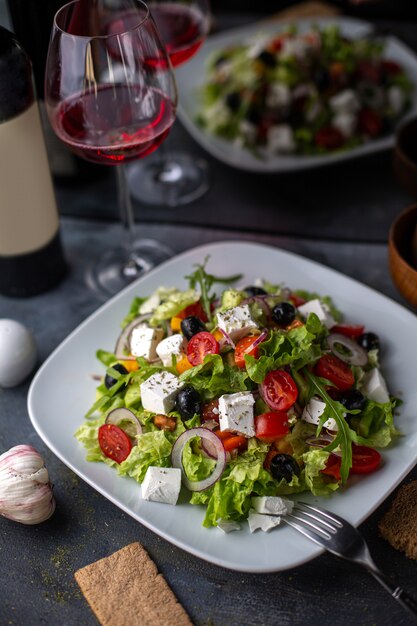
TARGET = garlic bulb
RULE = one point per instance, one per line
(25, 490)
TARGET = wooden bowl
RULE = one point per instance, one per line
(402, 254)
(405, 157)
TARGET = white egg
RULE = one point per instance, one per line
(18, 354)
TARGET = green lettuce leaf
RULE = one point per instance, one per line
(214, 377)
(196, 466)
(175, 302)
(152, 449)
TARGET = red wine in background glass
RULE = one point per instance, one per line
(103, 126)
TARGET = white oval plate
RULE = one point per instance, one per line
(191, 76)
(63, 390)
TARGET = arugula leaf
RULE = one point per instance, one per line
(205, 282)
(345, 435)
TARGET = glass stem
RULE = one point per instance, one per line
(125, 207)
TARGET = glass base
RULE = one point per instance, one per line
(171, 180)
(118, 267)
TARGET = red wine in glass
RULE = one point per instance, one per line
(114, 123)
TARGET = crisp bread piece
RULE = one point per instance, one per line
(125, 589)
(399, 523)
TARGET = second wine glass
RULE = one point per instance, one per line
(111, 97)
(174, 178)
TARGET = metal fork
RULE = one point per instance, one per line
(339, 537)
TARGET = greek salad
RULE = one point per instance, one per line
(303, 93)
(238, 396)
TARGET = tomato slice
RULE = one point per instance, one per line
(279, 390)
(245, 346)
(364, 461)
(114, 442)
(296, 300)
(210, 411)
(200, 345)
(194, 309)
(370, 122)
(349, 330)
(329, 138)
(271, 426)
(335, 370)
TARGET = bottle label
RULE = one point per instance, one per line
(28, 213)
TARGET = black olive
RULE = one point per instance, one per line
(233, 101)
(109, 381)
(192, 325)
(321, 78)
(283, 313)
(255, 291)
(368, 341)
(284, 466)
(188, 402)
(267, 58)
(352, 399)
(253, 115)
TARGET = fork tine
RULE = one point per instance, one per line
(318, 536)
(316, 518)
(320, 513)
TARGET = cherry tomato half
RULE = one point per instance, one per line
(279, 390)
(114, 442)
(364, 461)
(200, 345)
(271, 426)
(329, 137)
(245, 346)
(370, 122)
(349, 330)
(210, 411)
(296, 300)
(335, 370)
(194, 309)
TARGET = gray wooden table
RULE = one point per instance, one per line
(339, 217)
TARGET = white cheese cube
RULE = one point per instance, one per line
(169, 347)
(236, 322)
(280, 138)
(272, 505)
(313, 411)
(236, 413)
(162, 484)
(264, 522)
(374, 387)
(396, 99)
(227, 526)
(143, 341)
(345, 122)
(344, 102)
(320, 309)
(278, 96)
(159, 391)
(294, 47)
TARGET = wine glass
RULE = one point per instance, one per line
(111, 97)
(174, 178)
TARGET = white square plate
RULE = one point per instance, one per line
(191, 76)
(63, 390)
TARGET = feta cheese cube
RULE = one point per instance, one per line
(344, 102)
(396, 99)
(345, 122)
(169, 347)
(162, 484)
(159, 391)
(143, 341)
(280, 138)
(313, 411)
(374, 386)
(294, 47)
(236, 322)
(320, 309)
(278, 96)
(272, 505)
(264, 522)
(236, 413)
(227, 526)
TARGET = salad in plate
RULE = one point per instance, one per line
(240, 397)
(303, 93)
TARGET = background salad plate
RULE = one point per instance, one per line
(191, 77)
(63, 390)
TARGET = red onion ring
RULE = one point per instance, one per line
(357, 356)
(260, 338)
(228, 338)
(210, 439)
(122, 414)
(321, 442)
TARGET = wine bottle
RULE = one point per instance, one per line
(31, 256)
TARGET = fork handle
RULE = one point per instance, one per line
(407, 601)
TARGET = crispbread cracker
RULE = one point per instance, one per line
(125, 589)
(399, 524)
